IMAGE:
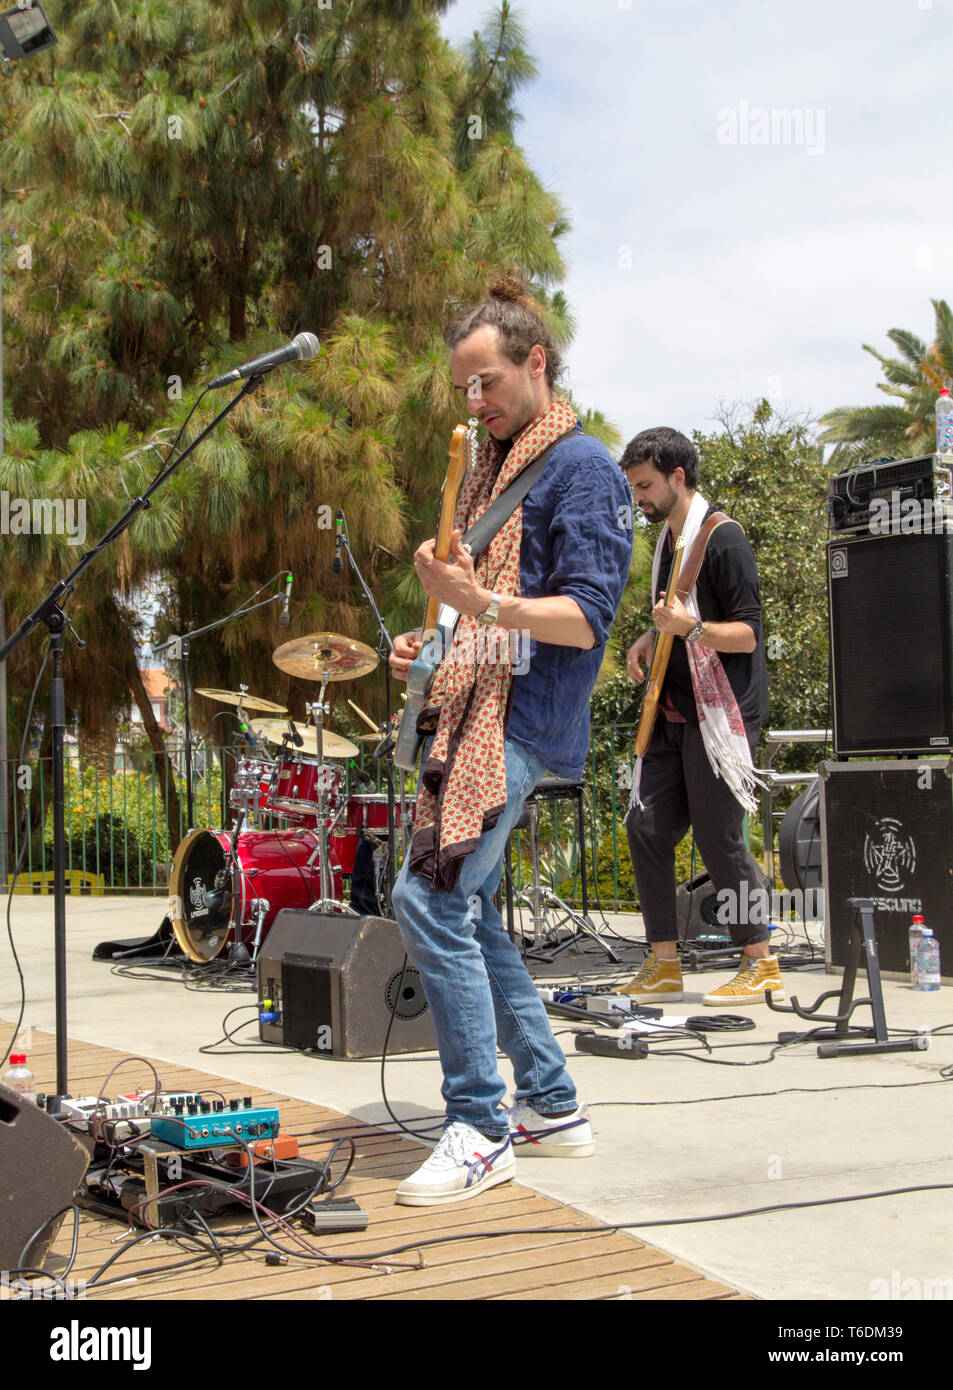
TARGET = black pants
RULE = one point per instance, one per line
(679, 790)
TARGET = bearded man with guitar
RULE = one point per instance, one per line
(695, 766)
(553, 573)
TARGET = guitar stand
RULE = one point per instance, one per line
(863, 941)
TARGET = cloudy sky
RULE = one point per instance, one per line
(756, 187)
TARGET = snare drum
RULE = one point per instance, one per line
(272, 869)
(297, 783)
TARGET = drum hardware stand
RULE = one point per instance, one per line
(384, 750)
(49, 611)
(326, 903)
(540, 901)
(863, 943)
(179, 649)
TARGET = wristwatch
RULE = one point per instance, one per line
(696, 631)
(491, 612)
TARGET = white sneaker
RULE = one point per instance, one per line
(551, 1136)
(464, 1163)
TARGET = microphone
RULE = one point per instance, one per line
(284, 617)
(300, 349)
(337, 564)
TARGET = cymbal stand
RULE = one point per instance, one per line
(384, 750)
(326, 903)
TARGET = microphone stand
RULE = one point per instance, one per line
(384, 750)
(179, 648)
(50, 612)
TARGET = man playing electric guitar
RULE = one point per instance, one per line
(555, 571)
(697, 769)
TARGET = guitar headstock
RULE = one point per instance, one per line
(460, 457)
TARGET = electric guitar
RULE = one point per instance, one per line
(663, 650)
(439, 619)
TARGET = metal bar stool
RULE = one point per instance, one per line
(548, 911)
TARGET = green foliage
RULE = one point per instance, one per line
(915, 378)
(196, 183)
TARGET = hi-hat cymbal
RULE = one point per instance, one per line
(241, 697)
(335, 746)
(309, 657)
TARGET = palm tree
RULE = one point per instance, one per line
(915, 377)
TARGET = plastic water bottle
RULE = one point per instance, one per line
(914, 935)
(944, 422)
(19, 1078)
(928, 961)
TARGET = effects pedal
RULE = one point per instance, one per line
(213, 1124)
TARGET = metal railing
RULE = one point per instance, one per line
(118, 837)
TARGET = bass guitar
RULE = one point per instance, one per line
(439, 619)
(663, 650)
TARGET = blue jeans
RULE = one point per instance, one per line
(476, 983)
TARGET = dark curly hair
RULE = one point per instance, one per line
(666, 449)
(510, 310)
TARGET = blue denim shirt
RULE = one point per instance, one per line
(577, 541)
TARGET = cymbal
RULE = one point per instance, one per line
(309, 657)
(241, 697)
(335, 746)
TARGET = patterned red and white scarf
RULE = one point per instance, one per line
(463, 782)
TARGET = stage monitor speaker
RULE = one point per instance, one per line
(891, 629)
(334, 982)
(41, 1167)
(887, 835)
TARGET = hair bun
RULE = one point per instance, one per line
(511, 289)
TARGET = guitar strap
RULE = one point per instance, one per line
(498, 512)
(689, 574)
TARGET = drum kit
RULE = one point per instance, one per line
(297, 834)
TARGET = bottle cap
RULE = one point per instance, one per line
(17, 1059)
(927, 931)
(945, 391)
(918, 919)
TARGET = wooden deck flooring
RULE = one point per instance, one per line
(574, 1264)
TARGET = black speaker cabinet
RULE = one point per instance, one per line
(334, 981)
(887, 835)
(891, 628)
(41, 1167)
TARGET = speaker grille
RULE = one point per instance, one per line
(891, 620)
(411, 1002)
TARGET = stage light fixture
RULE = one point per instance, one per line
(25, 30)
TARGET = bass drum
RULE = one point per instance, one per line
(217, 899)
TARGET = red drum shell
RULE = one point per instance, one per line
(369, 811)
(295, 787)
(282, 867)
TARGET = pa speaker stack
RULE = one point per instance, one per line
(887, 826)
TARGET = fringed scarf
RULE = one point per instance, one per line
(463, 782)
(719, 719)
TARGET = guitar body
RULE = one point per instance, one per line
(660, 658)
(439, 619)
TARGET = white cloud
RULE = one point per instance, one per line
(755, 268)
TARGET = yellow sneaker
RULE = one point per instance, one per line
(657, 980)
(749, 985)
